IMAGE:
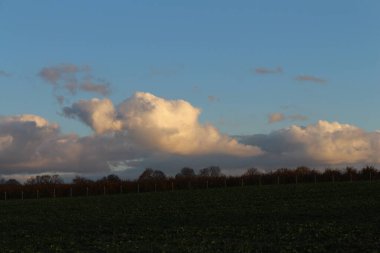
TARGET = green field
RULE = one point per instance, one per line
(325, 217)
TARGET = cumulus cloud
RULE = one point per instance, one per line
(99, 114)
(31, 144)
(307, 78)
(149, 136)
(173, 126)
(278, 117)
(73, 78)
(158, 124)
(264, 70)
(323, 143)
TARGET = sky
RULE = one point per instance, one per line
(99, 87)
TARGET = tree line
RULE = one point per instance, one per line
(150, 180)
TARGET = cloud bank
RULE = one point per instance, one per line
(323, 143)
(149, 131)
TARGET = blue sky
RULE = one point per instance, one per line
(324, 58)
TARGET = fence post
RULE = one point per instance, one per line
(315, 178)
(278, 179)
(206, 184)
(225, 183)
(370, 177)
(87, 191)
(242, 182)
(351, 177)
(54, 193)
(5, 195)
(172, 186)
(138, 188)
(38, 194)
(71, 191)
(104, 190)
(22, 195)
(296, 179)
(121, 189)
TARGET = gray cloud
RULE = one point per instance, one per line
(212, 99)
(4, 73)
(264, 70)
(73, 78)
(307, 78)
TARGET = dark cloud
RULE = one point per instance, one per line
(307, 78)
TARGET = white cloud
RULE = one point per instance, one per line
(159, 125)
(173, 126)
(323, 143)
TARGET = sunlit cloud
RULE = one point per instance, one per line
(158, 124)
(99, 114)
(278, 117)
(323, 143)
(275, 117)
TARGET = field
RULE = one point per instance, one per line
(323, 217)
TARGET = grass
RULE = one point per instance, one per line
(326, 217)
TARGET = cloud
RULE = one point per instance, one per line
(212, 99)
(157, 124)
(264, 70)
(323, 143)
(275, 117)
(72, 78)
(4, 73)
(173, 126)
(151, 137)
(307, 78)
(98, 114)
(103, 89)
(31, 144)
(278, 117)
(298, 117)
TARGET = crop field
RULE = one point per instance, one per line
(323, 217)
